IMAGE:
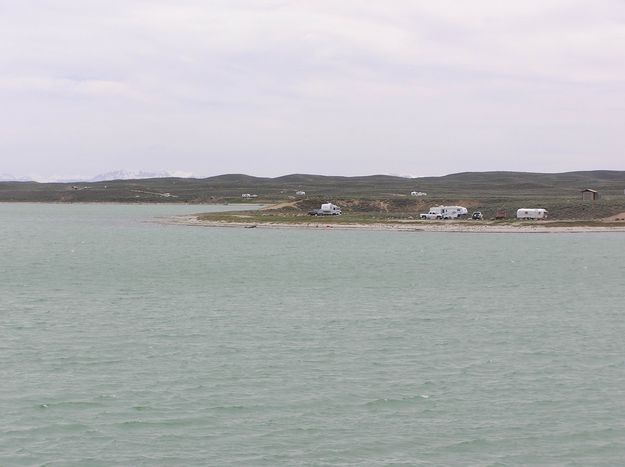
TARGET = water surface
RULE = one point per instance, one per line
(126, 342)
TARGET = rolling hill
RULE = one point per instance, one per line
(468, 185)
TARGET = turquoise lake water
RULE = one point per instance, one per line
(127, 342)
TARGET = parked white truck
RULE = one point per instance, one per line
(445, 212)
(434, 213)
(532, 213)
(327, 209)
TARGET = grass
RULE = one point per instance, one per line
(370, 199)
(470, 185)
(297, 215)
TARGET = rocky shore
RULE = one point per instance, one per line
(408, 226)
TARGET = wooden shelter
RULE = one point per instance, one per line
(589, 195)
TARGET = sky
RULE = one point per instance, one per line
(334, 87)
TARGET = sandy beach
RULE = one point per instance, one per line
(410, 226)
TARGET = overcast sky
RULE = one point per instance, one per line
(346, 87)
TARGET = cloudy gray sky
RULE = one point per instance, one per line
(270, 87)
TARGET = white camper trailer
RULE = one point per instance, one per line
(418, 193)
(531, 213)
(329, 209)
(454, 212)
(445, 212)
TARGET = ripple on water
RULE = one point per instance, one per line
(165, 345)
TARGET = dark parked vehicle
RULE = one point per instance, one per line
(477, 215)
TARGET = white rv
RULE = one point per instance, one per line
(329, 209)
(531, 213)
(445, 212)
(300, 193)
(418, 193)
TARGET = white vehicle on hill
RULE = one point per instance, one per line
(532, 213)
(445, 212)
(433, 213)
(327, 209)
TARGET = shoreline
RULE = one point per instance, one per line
(138, 203)
(194, 221)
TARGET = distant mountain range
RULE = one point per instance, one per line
(134, 175)
(108, 176)
(11, 178)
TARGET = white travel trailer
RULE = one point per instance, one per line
(454, 212)
(531, 213)
(445, 212)
(329, 209)
(418, 193)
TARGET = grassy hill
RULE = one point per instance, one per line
(487, 191)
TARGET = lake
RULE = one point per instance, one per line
(128, 342)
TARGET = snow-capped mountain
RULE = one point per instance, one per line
(129, 175)
(12, 178)
(114, 175)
